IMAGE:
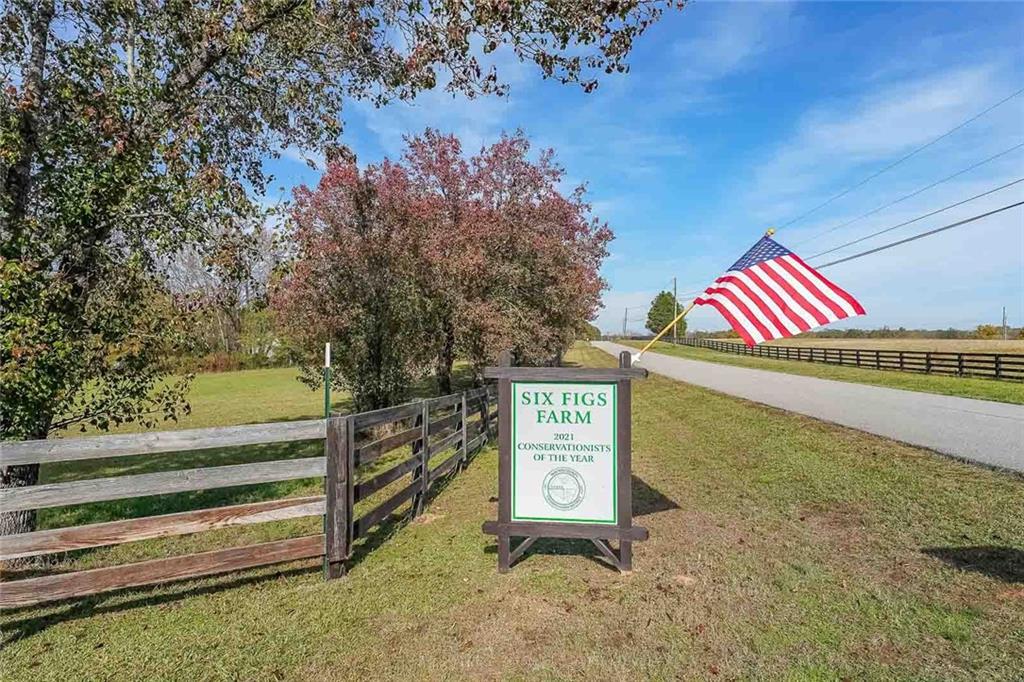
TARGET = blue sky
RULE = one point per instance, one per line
(739, 116)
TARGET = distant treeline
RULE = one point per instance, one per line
(982, 331)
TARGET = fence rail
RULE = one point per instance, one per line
(1002, 366)
(355, 446)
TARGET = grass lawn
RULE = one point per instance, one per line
(985, 389)
(781, 548)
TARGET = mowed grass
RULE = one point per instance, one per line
(965, 387)
(781, 548)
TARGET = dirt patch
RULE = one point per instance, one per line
(425, 518)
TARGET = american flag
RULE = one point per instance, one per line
(770, 293)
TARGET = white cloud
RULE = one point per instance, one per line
(609, 320)
(731, 38)
(832, 140)
(476, 121)
(305, 157)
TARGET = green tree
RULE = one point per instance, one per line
(662, 312)
(590, 332)
(988, 331)
(129, 130)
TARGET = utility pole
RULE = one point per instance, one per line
(625, 318)
(1004, 323)
(675, 303)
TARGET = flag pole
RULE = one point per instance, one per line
(768, 233)
(665, 330)
(327, 380)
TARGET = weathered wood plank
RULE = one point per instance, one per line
(371, 519)
(464, 441)
(370, 486)
(139, 485)
(546, 529)
(337, 510)
(444, 401)
(476, 393)
(96, 447)
(624, 403)
(565, 373)
(504, 461)
(441, 424)
(150, 527)
(443, 468)
(521, 549)
(609, 553)
(445, 443)
(386, 415)
(475, 443)
(18, 593)
(372, 451)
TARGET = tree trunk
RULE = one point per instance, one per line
(446, 358)
(17, 180)
(19, 476)
(12, 523)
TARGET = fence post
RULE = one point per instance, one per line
(901, 361)
(465, 430)
(927, 362)
(339, 493)
(421, 447)
(960, 364)
(857, 355)
(485, 415)
(878, 362)
(999, 366)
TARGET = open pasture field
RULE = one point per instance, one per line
(965, 387)
(781, 548)
(943, 345)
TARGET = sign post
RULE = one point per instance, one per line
(564, 458)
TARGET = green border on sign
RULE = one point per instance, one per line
(615, 453)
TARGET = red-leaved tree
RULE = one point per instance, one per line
(407, 266)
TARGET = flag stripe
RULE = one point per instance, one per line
(733, 322)
(740, 312)
(858, 309)
(793, 299)
(806, 299)
(744, 312)
(813, 294)
(770, 293)
(844, 309)
(755, 276)
(766, 326)
(778, 318)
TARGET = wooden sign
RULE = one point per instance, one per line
(564, 459)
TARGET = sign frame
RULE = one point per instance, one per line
(601, 534)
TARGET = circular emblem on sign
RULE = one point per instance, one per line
(563, 488)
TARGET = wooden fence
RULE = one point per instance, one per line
(1005, 366)
(357, 448)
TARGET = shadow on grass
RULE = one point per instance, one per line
(648, 500)
(1002, 563)
(556, 547)
(87, 607)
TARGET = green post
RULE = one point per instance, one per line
(327, 381)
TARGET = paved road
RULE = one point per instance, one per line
(977, 430)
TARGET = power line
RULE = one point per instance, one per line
(912, 194)
(902, 159)
(921, 235)
(914, 220)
